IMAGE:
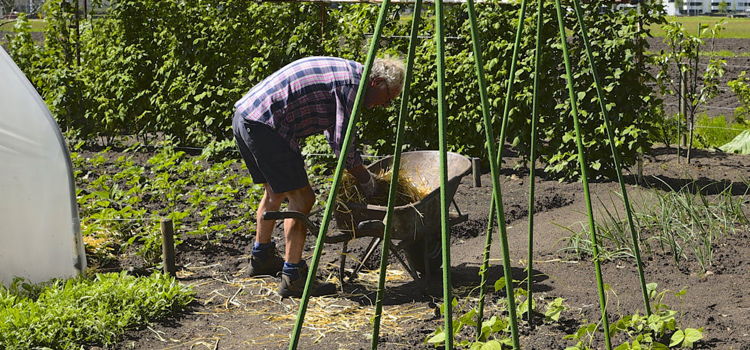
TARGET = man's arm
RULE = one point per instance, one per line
(344, 98)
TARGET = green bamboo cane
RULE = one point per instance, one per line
(497, 201)
(337, 177)
(495, 173)
(479, 65)
(484, 271)
(445, 229)
(615, 154)
(395, 169)
(584, 177)
(532, 167)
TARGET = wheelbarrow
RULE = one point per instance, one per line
(416, 226)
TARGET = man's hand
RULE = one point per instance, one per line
(365, 180)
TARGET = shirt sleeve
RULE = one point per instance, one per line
(344, 97)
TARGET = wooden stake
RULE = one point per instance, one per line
(167, 247)
(476, 171)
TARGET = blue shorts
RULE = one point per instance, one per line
(268, 157)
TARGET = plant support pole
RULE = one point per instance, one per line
(584, 176)
(445, 229)
(395, 169)
(496, 204)
(532, 165)
(294, 341)
(615, 155)
(496, 188)
(484, 270)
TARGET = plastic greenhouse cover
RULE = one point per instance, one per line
(40, 234)
(740, 144)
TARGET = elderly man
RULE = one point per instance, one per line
(306, 97)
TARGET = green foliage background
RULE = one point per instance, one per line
(150, 68)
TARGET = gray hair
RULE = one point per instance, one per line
(391, 70)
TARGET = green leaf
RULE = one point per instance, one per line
(500, 284)
(691, 336)
(555, 309)
(623, 346)
(476, 346)
(677, 338)
(469, 318)
(438, 338)
(492, 345)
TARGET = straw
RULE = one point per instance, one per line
(409, 190)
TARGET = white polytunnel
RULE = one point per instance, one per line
(40, 235)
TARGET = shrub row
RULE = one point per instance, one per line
(165, 67)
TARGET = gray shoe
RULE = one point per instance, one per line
(270, 265)
(294, 288)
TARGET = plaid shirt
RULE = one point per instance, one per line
(306, 97)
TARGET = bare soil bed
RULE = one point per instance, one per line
(233, 311)
(726, 101)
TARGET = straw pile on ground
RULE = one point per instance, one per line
(408, 190)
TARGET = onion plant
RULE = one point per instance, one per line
(682, 223)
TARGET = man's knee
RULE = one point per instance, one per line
(272, 200)
(302, 199)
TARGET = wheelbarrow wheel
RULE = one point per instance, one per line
(424, 256)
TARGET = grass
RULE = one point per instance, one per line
(37, 25)
(682, 224)
(85, 311)
(738, 28)
(713, 132)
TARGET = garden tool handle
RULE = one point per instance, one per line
(291, 214)
(372, 228)
(279, 215)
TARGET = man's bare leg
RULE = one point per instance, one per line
(270, 202)
(300, 200)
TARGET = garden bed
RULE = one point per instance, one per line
(235, 311)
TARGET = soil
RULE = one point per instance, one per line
(726, 101)
(233, 311)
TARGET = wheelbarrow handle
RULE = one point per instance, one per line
(279, 215)
(290, 214)
(337, 237)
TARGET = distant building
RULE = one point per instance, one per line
(704, 7)
(12, 8)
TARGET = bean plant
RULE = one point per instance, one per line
(121, 201)
(660, 330)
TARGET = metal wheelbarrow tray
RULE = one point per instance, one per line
(417, 225)
(413, 221)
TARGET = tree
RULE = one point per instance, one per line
(6, 7)
(723, 7)
(679, 5)
(692, 84)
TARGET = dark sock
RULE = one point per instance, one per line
(262, 250)
(292, 270)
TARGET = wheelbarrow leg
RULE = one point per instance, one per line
(413, 273)
(368, 253)
(342, 263)
(427, 268)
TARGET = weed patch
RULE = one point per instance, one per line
(77, 312)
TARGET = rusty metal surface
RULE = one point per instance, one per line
(418, 219)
